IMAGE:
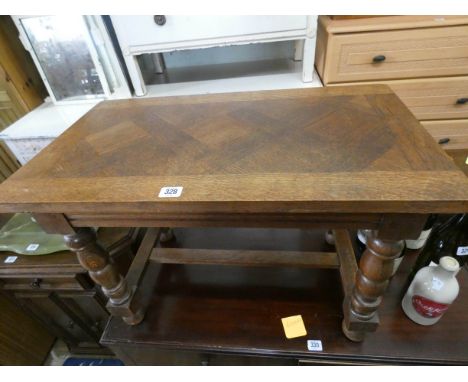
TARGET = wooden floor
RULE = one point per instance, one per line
(216, 311)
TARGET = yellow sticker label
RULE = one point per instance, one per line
(294, 326)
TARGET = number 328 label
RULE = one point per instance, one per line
(170, 192)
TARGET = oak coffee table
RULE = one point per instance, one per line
(340, 158)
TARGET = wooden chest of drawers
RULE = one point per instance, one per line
(457, 130)
(440, 98)
(424, 59)
(414, 53)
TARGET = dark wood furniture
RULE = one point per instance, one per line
(23, 340)
(219, 315)
(56, 291)
(341, 158)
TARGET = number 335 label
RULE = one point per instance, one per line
(170, 192)
(314, 345)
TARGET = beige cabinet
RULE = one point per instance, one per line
(456, 131)
(424, 59)
(416, 53)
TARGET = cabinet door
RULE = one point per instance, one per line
(23, 340)
(9, 113)
(18, 73)
(141, 33)
(11, 107)
(76, 318)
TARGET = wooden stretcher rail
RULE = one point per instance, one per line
(245, 257)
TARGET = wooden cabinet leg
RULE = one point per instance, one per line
(308, 60)
(298, 50)
(98, 263)
(375, 270)
(167, 234)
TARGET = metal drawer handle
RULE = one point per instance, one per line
(379, 58)
(36, 283)
(444, 140)
(462, 101)
(160, 20)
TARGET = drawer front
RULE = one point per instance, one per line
(455, 131)
(441, 98)
(397, 54)
(143, 32)
(42, 283)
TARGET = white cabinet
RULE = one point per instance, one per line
(30, 134)
(142, 34)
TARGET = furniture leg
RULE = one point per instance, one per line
(308, 60)
(158, 63)
(375, 270)
(135, 75)
(167, 234)
(309, 50)
(96, 260)
(298, 50)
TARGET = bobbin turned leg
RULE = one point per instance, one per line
(375, 270)
(98, 263)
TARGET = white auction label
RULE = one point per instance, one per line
(462, 251)
(314, 345)
(170, 192)
(32, 247)
(10, 259)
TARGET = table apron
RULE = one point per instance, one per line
(249, 220)
(390, 226)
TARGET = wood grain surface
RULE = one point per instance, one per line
(411, 53)
(455, 130)
(385, 23)
(341, 149)
(431, 98)
(246, 257)
(23, 340)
